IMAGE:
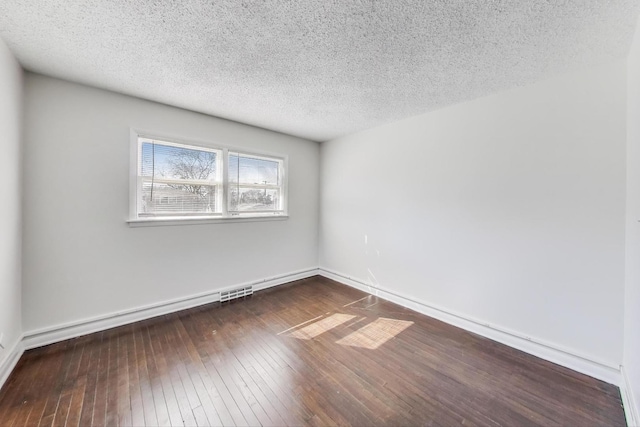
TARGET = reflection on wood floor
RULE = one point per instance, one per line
(310, 352)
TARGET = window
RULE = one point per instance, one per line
(177, 181)
(254, 184)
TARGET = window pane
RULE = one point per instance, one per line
(253, 199)
(166, 161)
(249, 170)
(175, 199)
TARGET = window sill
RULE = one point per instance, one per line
(159, 222)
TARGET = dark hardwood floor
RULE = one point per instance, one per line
(311, 352)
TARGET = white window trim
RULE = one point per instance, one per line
(225, 216)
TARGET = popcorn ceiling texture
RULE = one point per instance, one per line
(315, 69)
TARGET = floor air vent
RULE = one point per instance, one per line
(236, 293)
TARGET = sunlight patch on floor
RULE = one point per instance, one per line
(321, 326)
(356, 301)
(376, 333)
(299, 324)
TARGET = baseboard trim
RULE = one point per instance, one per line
(548, 351)
(631, 411)
(50, 335)
(9, 363)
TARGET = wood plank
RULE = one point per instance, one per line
(159, 401)
(167, 344)
(199, 327)
(173, 410)
(23, 405)
(70, 384)
(52, 371)
(124, 398)
(111, 409)
(198, 375)
(135, 392)
(63, 350)
(148, 401)
(98, 417)
(91, 371)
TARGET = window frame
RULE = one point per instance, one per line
(140, 180)
(281, 173)
(135, 220)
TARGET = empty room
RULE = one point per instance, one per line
(322, 213)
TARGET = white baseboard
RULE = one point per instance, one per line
(50, 335)
(631, 410)
(548, 351)
(10, 361)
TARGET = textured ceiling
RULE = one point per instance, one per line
(315, 69)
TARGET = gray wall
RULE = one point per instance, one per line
(508, 209)
(631, 360)
(82, 260)
(10, 200)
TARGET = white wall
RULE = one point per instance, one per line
(631, 361)
(508, 209)
(82, 260)
(10, 200)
